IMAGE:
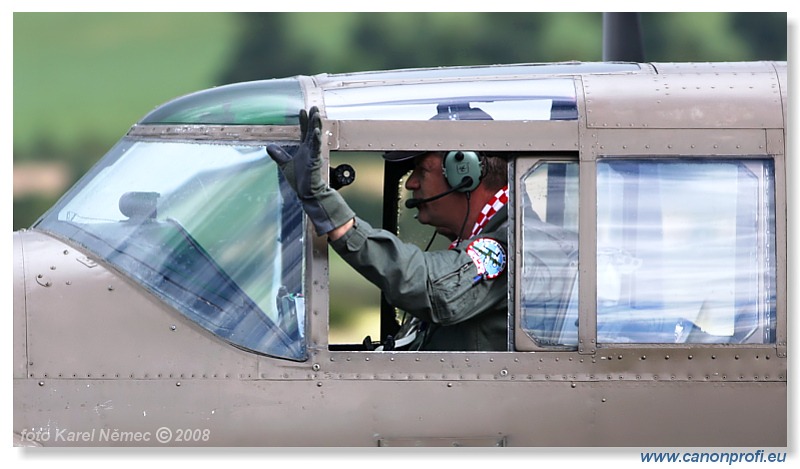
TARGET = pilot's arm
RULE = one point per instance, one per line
(324, 206)
(442, 287)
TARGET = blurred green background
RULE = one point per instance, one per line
(80, 80)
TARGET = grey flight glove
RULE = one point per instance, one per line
(324, 206)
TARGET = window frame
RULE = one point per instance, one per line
(587, 314)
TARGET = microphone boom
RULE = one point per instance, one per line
(414, 203)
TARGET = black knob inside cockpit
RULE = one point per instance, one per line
(342, 175)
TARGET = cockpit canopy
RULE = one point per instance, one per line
(516, 92)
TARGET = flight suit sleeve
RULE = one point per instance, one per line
(439, 287)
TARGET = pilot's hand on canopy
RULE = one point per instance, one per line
(302, 170)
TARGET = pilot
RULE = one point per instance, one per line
(458, 297)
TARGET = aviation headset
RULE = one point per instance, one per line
(464, 169)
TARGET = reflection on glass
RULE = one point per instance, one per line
(685, 251)
(208, 228)
(533, 99)
(549, 270)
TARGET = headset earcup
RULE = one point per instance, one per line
(460, 164)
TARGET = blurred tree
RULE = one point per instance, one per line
(275, 45)
(765, 34)
(704, 37)
(29, 208)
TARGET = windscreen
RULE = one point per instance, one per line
(209, 228)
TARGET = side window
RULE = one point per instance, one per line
(547, 290)
(685, 251)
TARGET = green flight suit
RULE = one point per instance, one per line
(439, 287)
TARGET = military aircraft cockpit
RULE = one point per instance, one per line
(207, 225)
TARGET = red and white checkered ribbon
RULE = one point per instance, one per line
(493, 206)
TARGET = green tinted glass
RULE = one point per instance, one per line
(267, 102)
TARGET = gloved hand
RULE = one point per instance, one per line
(324, 206)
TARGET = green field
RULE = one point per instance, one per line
(89, 76)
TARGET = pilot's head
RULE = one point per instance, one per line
(435, 173)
